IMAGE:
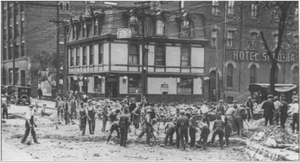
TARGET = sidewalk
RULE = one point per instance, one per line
(12, 153)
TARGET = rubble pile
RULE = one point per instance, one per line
(275, 137)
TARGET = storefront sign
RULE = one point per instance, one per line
(261, 57)
(164, 88)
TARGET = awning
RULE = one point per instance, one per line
(278, 87)
(285, 88)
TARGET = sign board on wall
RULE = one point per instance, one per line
(46, 88)
(164, 88)
(123, 33)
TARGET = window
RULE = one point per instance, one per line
(16, 53)
(185, 56)
(185, 86)
(91, 54)
(4, 53)
(96, 27)
(10, 52)
(22, 27)
(254, 11)
(275, 40)
(22, 7)
(74, 31)
(100, 54)
(77, 57)
(134, 85)
(67, 5)
(229, 40)
(149, 26)
(215, 7)
(295, 75)
(160, 55)
(276, 13)
(253, 74)
(23, 49)
(71, 58)
(133, 54)
(133, 24)
(88, 28)
(83, 29)
(10, 72)
(97, 84)
(84, 56)
(230, 9)
(61, 5)
(185, 28)
(3, 76)
(17, 30)
(10, 32)
(99, 27)
(4, 34)
(160, 27)
(253, 37)
(16, 75)
(229, 75)
(214, 33)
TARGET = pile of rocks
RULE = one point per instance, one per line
(275, 137)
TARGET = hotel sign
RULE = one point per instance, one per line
(254, 56)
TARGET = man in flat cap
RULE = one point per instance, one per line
(29, 125)
(268, 107)
(182, 125)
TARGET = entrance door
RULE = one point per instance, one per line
(112, 88)
(212, 86)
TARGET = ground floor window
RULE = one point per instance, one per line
(134, 85)
(185, 86)
(97, 84)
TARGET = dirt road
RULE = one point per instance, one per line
(66, 144)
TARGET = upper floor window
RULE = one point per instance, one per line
(88, 28)
(185, 55)
(253, 74)
(77, 56)
(230, 8)
(160, 27)
(229, 75)
(71, 58)
(253, 38)
(23, 49)
(95, 26)
(83, 29)
(64, 5)
(214, 35)
(254, 14)
(229, 41)
(215, 7)
(84, 56)
(275, 40)
(4, 53)
(100, 54)
(186, 28)
(160, 55)
(133, 24)
(91, 55)
(16, 50)
(133, 57)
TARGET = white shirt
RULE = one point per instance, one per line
(277, 104)
(294, 108)
(204, 109)
(230, 111)
(29, 114)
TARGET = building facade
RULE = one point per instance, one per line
(104, 65)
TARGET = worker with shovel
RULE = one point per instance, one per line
(29, 126)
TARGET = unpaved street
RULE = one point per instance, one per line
(66, 144)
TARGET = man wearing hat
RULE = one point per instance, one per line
(193, 130)
(29, 125)
(105, 115)
(277, 104)
(132, 106)
(238, 119)
(204, 134)
(114, 123)
(294, 96)
(295, 113)
(283, 111)
(182, 125)
(66, 110)
(268, 107)
(218, 130)
(220, 108)
(73, 106)
(229, 115)
(249, 105)
(43, 110)
(124, 125)
(204, 111)
(170, 128)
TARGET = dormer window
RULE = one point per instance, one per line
(186, 26)
(254, 11)
(160, 27)
(133, 24)
(215, 7)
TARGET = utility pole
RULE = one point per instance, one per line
(57, 45)
(217, 65)
(241, 43)
(143, 73)
(224, 48)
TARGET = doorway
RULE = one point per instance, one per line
(112, 87)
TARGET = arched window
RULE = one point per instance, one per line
(295, 75)
(253, 74)
(229, 75)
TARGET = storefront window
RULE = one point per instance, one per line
(97, 84)
(185, 86)
(134, 85)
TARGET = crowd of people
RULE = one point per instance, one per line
(182, 120)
